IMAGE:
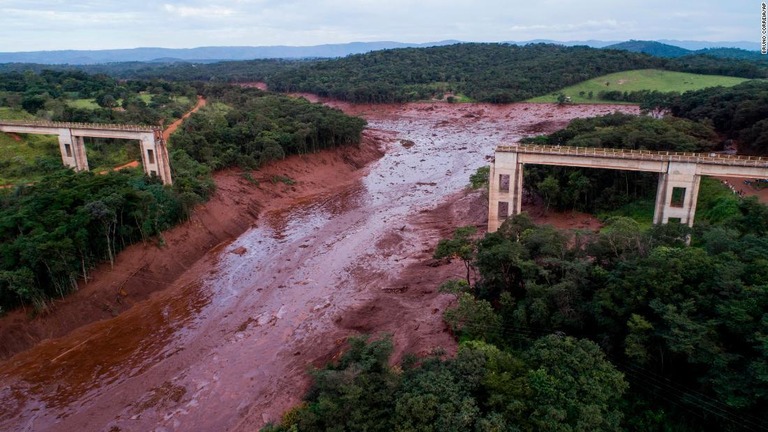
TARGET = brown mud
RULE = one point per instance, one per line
(142, 269)
(215, 329)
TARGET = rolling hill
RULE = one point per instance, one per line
(659, 49)
(635, 80)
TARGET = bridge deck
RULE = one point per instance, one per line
(641, 155)
(82, 126)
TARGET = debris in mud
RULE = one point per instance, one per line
(437, 262)
(239, 251)
(162, 395)
(398, 290)
(320, 306)
(407, 143)
(244, 325)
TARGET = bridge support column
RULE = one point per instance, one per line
(72, 150)
(164, 161)
(677, 193)
(81, 159)
(154, 156)
(505, 189)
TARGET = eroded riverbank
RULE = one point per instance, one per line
(225, 346)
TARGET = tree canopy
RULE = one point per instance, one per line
(740, 113)
(53, 232)
(557, 384)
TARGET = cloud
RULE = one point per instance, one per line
(199, 12)
(568, 27)
(89, 24)
(43, 20)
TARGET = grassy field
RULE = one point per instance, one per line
(645, 79)
(14, 114)
(18, 155)
(182, 100)
(83, 104)
(145, 97)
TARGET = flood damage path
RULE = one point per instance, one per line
(228, 344)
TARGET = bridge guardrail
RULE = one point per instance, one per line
(664, 156)
(69, 125)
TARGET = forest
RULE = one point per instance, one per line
(80, 97)
(248, 127)
(739, 113)
(483, 72)
(497, 73)
(55, 230)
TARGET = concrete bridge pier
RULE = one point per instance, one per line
(677, 193)
(72, 150)
(505, 190)
(154, 156)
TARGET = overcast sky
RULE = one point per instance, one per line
(33, 25)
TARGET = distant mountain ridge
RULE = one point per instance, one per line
(205, 54)
(659, 49)
(663, 48)
(653, 48)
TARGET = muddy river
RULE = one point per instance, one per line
(227, 345)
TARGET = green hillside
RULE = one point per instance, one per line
(645, 79)
(497, 73)
(653, 48)
(14, 114)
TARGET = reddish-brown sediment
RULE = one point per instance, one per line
(747, 187)
(144, 268)
(218, 335)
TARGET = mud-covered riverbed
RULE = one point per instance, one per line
(226, 345)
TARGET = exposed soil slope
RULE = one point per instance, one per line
(144, 268)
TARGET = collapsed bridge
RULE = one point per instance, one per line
(679, 175)
(154, 154)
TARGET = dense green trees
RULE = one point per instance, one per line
(54, 231)
(739, 113)
(556, 384)
(689, 318)
(248, 127)
(485, 72)
(497, 73)
(56, 95)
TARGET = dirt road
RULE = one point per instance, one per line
(226, 345)
(175, 125)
